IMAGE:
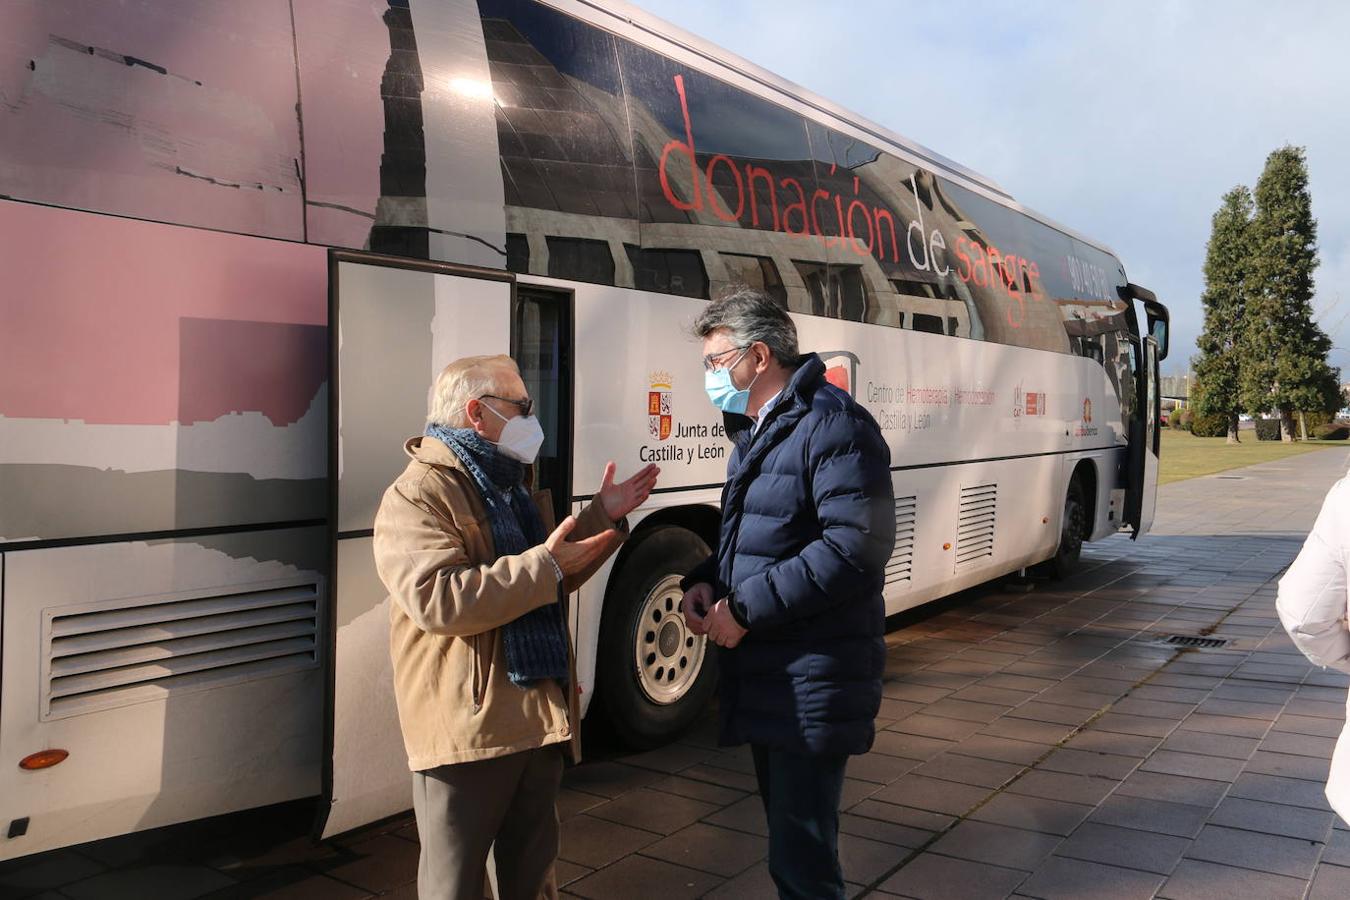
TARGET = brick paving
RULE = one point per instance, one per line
(1036, 740)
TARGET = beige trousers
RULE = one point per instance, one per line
(506, 805)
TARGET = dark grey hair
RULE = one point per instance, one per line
(749, 315)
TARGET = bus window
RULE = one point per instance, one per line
(677, 272)
(580, 259)
(695, 167)
(925, 322)
(207, 135)
(561, 133)
(1091, 348)
(915, 288)
(852, 288)
(517, 252)
(838, 292)
(817, 280)
(1126, 365)
(756, 272)
(1008, 266)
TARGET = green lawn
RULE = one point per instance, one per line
(1186, 456)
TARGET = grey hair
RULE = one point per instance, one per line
(748, 315)
(464, 380)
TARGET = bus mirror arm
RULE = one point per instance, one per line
(1159, 319)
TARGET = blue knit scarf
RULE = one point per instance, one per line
(536, 643)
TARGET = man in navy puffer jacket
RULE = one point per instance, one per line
(792, 593)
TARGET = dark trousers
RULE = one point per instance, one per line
(801, 800)
(507, 805)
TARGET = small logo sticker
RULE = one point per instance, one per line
(1028, 403)
(841, 370)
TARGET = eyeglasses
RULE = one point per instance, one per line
(710, 361)
(525, 406)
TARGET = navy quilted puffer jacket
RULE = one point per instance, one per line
(808, 522)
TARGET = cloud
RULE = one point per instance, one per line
(1126, 122)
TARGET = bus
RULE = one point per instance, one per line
(240, 239)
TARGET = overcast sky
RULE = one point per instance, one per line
(1124, 121)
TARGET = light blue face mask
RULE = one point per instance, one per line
(722, 391)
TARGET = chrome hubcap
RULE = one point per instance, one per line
(667, 655)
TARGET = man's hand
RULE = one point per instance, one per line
(695, 606)
(619, 500)
(574, 557)
(722, 627)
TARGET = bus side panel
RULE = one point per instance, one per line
(639, 391)
(938, 400)
(959, 416)
(178, 112)
(938, 549)
(155, 378)
(400, 130)
(183, 677)
(157, 382)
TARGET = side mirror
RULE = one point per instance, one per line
(1159, 319)
(1159, 324)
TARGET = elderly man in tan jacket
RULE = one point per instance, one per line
(483, 667)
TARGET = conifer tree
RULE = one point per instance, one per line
(1284, 350)
(1227, 259)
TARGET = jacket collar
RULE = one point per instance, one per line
(426, 449)
(803, 384)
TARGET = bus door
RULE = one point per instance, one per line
(394, 324)
(1141, 492)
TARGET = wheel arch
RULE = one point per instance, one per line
(702, 519)
(1086, 472)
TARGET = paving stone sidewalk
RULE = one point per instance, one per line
(1035, 740)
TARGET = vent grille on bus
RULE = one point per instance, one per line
(975, 524)
(899, 570)
(112, 656)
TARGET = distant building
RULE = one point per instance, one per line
(1177, 388)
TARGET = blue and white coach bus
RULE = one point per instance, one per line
(238, 239)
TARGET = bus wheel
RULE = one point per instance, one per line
(655, 676)
(1073, 531)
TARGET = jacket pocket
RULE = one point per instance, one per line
(483, 647)
(479, 679)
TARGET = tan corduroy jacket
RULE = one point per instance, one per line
(433, 551)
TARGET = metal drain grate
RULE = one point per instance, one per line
(1232, 477)
(1189, 640)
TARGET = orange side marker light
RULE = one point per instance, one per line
(43, 759)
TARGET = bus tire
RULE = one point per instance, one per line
(655, 677)
(1073, 531)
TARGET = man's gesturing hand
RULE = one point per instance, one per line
(621, 499)
(695, 604)
(574, 557)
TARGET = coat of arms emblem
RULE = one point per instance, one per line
(659, 416)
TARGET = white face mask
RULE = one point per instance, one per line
(521, 438)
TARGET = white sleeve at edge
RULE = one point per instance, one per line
(1312, 601)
